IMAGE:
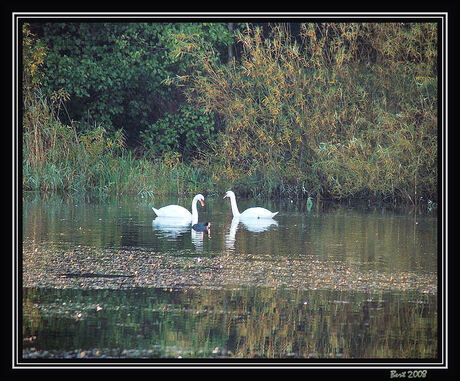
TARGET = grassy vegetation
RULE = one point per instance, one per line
(82, 168)
(58, 157)
(342, 110)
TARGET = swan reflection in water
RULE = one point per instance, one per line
(258, 224)
(170, 227)
(197, 238)
(255, 225)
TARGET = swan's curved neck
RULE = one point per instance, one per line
(235, 211)
(194, 211)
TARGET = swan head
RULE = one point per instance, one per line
(229, 194)
(200, 198)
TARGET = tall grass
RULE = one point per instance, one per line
(57, 158)
(346, 110)
(121, 174)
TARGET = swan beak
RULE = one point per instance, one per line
(225, 196)
(202, 203)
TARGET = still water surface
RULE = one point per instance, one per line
(102, 280)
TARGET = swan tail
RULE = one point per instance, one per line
(155, 211)
(274, 214)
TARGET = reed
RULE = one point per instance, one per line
(345, 110)
(121, 174)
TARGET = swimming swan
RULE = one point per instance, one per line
(256, 212)
(176, 211)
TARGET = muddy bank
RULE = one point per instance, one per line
(50, 265)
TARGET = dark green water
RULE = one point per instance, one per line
(100, 281)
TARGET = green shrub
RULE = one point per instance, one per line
(188, 131)
(114, 72)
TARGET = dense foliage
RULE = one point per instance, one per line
(345, 109)
(336, 110)
(186, 131)
(114, 72)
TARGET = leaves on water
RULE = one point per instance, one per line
(88, 267)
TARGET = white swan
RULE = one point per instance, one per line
(176, 211)
(256, 212)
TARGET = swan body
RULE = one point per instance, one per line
(171, 222)
(177, 211)
(256, 212)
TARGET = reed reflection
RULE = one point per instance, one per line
(241, 323)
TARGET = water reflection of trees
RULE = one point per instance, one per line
(248, 323)
(378, 240)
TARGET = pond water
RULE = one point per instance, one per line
(101, 280)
